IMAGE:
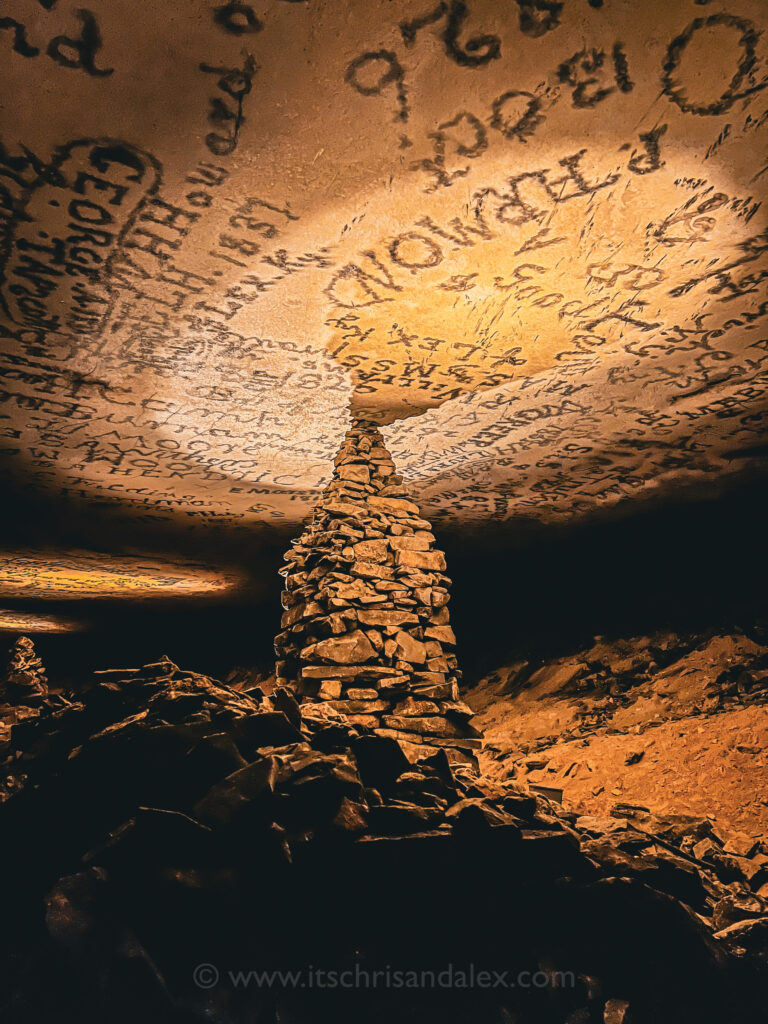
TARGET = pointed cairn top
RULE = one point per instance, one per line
(25, 680)
(363, 465)
(366, 627)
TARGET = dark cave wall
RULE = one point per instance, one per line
(516, 591)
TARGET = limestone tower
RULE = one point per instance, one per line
(366, 625)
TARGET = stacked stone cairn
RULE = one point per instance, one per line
(366, 630)
(25, 681)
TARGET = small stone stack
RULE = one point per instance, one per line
(366, 627)
(25, 681)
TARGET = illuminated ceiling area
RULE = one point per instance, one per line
(50, 575)
(29, 622)
(526, 237)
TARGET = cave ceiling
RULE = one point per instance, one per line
(528, 238)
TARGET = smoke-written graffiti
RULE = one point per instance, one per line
(528, 238)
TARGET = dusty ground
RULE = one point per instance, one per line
(612, 725)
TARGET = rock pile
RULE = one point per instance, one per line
(366, 629)
(162, 821)
(25, 681)
(674, 722)
(708, 673)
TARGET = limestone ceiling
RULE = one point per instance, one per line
(41, 575)
(28, 622)
(528, 237)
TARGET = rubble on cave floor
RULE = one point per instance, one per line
(673, 723)
(160, 820)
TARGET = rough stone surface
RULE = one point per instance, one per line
(673, 722)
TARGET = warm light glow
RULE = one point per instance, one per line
(84, 575)
(526, 238)
(28, 622)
